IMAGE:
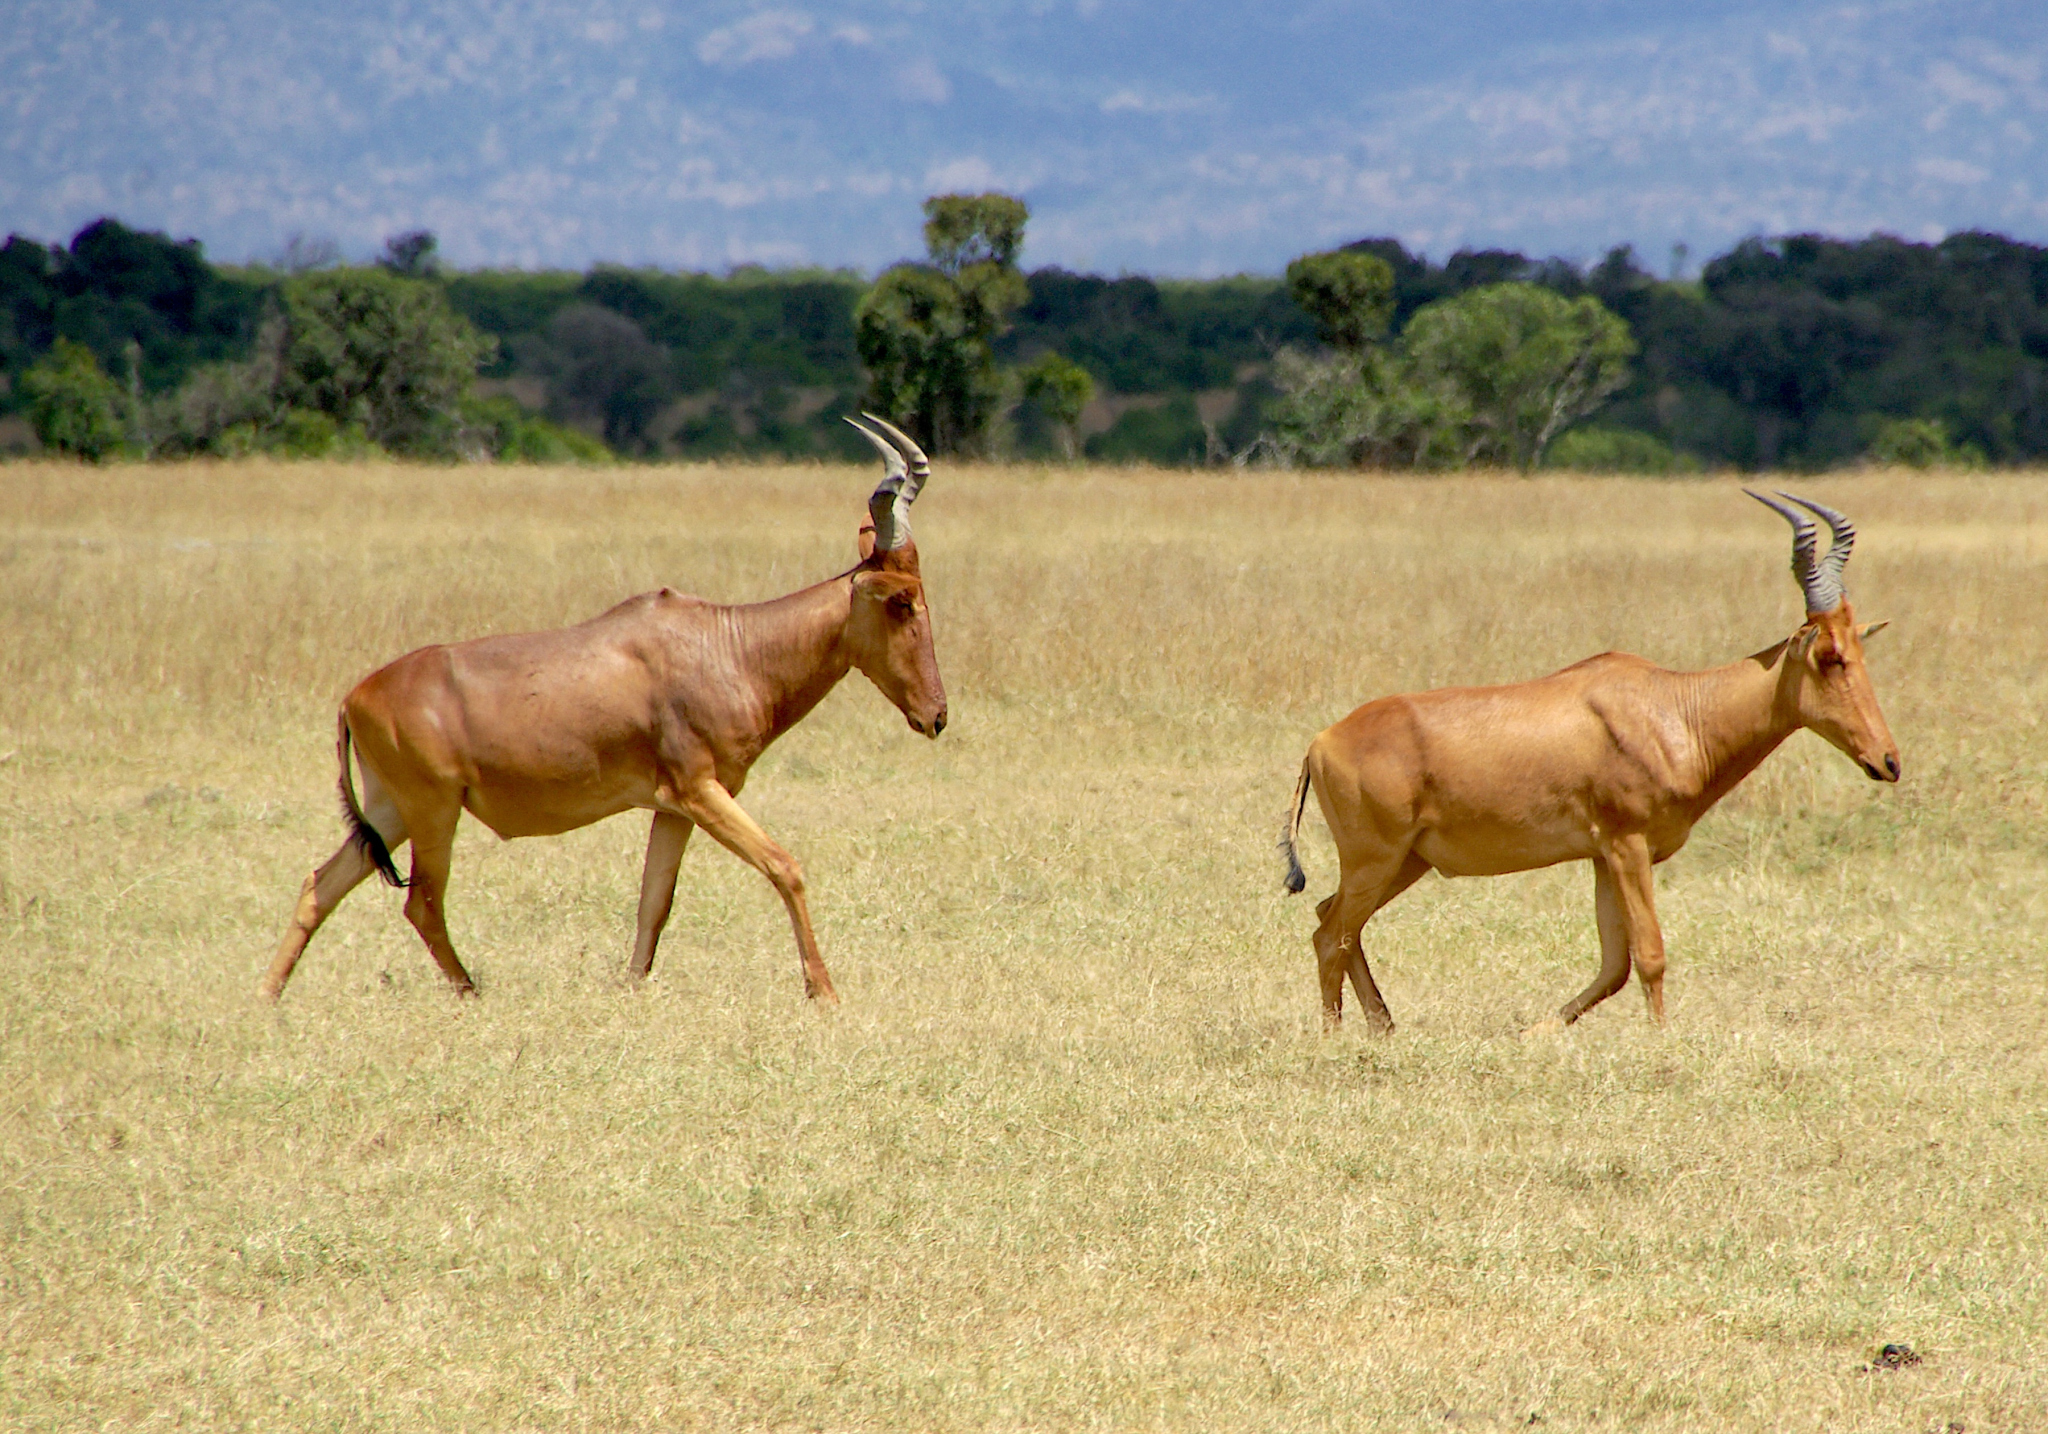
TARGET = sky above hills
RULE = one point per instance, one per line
(1188, 138)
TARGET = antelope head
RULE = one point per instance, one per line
(889, 633)
(1824, 659)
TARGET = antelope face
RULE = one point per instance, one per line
(889, 635)
(1835, 697)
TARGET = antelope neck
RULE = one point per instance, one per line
(793, 649)
(1737, 716)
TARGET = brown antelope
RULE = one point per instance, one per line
(1611, 760)
(662, 703)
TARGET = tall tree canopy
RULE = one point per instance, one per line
(926, 332)
(1349, 292)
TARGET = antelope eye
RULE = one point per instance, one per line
(903, 604)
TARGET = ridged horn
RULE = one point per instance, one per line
(905, 471)
(1844, 539)
(920, 466)
(1820, 579)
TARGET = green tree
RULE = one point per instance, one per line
(383, 353)
(1490, 375)
(926, 332)
(1512, 365)
(1362, 410)
(413, 254)
(605, 373)
(1349, 293)
(72, 405)
(1061, 389)
(964, 231)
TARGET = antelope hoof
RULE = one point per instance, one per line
(1548, 1026)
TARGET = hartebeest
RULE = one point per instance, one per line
(662, 703)
(1611, 760)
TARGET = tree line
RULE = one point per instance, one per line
(1802, 352)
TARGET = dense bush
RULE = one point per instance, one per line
(512, 434)
(1597, 448)
(73, 406)
(1920, 443)
(1169, 432)
(367, 347)
(115, 286)
(1490, 376)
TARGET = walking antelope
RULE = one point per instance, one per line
(1611, 760)
(662, 703)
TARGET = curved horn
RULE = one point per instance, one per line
(920, 466)
(1844, 533)
(887, 505)
(1822, 594)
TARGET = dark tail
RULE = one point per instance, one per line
(359, 829)
(1296, 877)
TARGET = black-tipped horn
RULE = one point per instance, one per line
(920, 466)
(1823, 593)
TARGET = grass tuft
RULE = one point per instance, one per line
(1073, 1154)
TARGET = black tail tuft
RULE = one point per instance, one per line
(365, 836)
(1296, 878)
(359, 829)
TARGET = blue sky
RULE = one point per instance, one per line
(1189, 139)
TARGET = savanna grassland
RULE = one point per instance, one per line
(1074, 1153)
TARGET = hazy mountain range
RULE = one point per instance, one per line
(1163, 138)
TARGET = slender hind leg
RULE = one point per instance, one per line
(433, 843)
(336, 878)
(1362, 891)
(658, 884)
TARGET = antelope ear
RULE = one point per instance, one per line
(867, 539)
(1872, 629)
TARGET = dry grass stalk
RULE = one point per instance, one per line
(1073, 1153)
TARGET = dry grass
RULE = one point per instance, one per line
(1073, 1154)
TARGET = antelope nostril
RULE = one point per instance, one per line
(1891, 766)
(938, 724)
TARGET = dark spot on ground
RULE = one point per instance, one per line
(1892, 1356)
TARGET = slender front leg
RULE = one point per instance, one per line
(1628, 862)
(665, 843)
(1613, 946)
(711, 806)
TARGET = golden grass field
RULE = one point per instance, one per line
(1074, 1153)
